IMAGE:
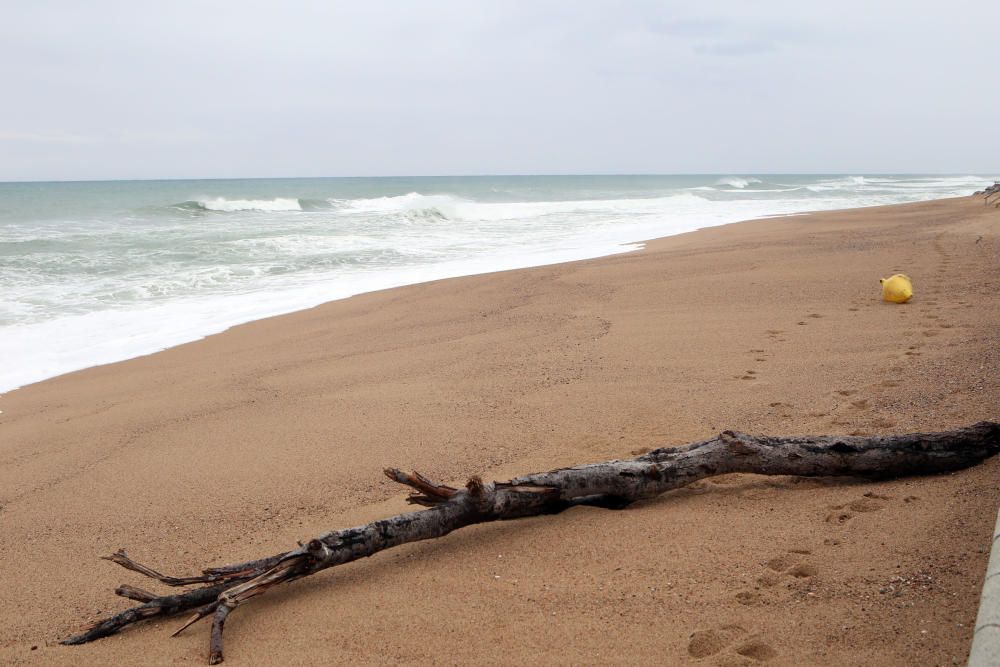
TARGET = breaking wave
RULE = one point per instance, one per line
(417, 206)
(93, 275)
(429, 207)
(737, 181)
(232, 205)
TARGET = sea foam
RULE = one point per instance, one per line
(230, 205)
(737, 181)
(100, 272)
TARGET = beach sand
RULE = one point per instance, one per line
(239, 445)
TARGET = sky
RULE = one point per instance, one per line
(137, 89)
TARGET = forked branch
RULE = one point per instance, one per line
(612, 484)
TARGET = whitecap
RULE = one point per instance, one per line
(231, 205)
(737, 181)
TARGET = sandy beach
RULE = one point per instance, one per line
(241, 444)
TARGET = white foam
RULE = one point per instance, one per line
(76, 342)
(231, 205)
(455, 208)
(294, 259)
(737, 181)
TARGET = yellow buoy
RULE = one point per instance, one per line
(897, 288)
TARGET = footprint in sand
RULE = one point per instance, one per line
(707, 643)
(751, 374)
(857, 404)
(748, 598)
(704, 643)
(756, 648)
(870, 502)
(790, 564)
(793, 565)
(839, 517)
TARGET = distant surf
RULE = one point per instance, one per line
(230, 205)
(92, 273)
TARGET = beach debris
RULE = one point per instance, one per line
(611, 485)
(992, 192)
(897, 288)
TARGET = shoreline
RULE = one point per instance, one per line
(420, 276)
(237, 445)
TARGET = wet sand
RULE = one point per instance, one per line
(236, 446)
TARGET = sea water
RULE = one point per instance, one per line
(97, 272)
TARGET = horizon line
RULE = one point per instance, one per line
(523, 175)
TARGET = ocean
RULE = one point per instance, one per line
(97, 272)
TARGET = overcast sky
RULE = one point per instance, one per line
(136, 89)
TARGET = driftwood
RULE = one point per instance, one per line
(613, 484)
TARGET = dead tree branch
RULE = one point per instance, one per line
(613, 484)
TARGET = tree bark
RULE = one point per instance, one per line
(612, 484)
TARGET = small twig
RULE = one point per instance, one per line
(218, 624)
(197, 616)
(133, 593)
